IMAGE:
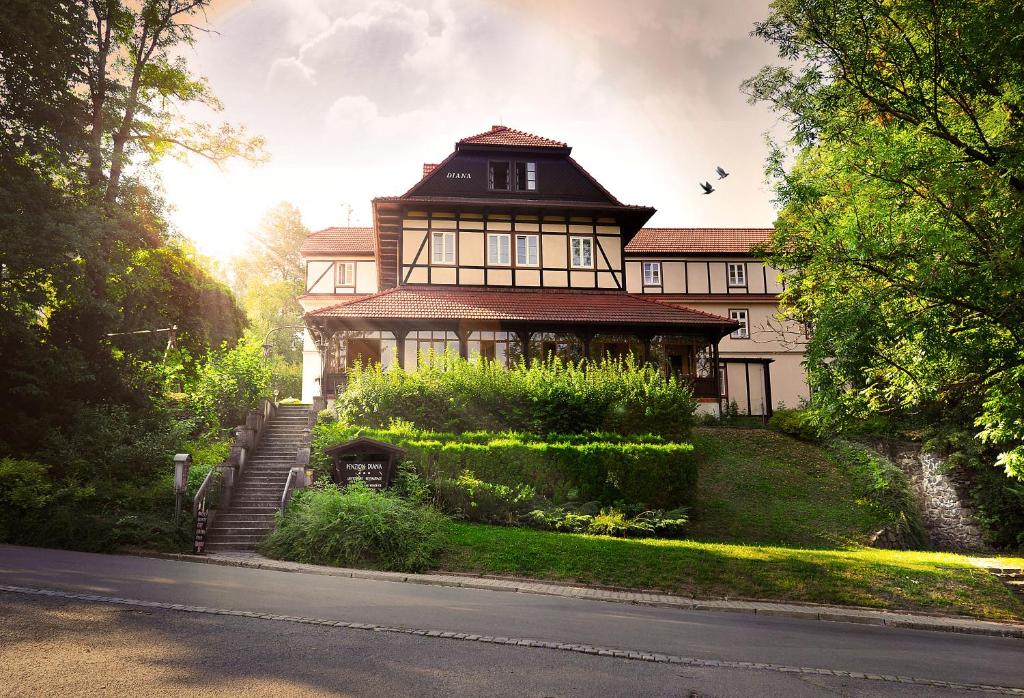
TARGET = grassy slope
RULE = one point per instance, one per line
(757, 489)
(759, 486)
(860, 577)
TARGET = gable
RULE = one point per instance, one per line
(465, 175)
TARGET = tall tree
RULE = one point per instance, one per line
(135, 85)
(268, 277)
(902, 217)
(75, 268)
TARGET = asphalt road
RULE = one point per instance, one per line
(53, 646)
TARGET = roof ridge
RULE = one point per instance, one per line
(501, 128)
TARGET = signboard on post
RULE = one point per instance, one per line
(365, 460)
(199, 544)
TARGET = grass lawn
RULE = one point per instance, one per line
(759, 486)
(920, 581)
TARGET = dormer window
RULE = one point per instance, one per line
(526, 176)
(498, 175)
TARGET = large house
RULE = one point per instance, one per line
(510, 250)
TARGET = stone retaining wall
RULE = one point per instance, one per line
(945, 508)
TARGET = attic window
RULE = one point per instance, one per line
(526, 176)
(498, 176)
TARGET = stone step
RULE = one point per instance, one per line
(265, 509)
(240, 529)
(236, 541)
(214, 547)
(244, 518)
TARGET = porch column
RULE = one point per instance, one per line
(585, 339)
(524, 342)
(463, 336)
(645, 340)
(400, 346)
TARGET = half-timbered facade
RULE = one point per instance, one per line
(717, 270)
(510, 250)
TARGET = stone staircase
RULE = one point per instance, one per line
(1012, 577)
(249, 517)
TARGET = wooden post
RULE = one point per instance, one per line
(400, 346)
(645, 340)
(524, 341)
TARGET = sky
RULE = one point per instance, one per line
(353, 97)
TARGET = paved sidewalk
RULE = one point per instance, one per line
(895, 619)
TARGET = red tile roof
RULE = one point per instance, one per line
(503, 135)
(704, 240)
(429, 167)
(339, 241)
(524, 305)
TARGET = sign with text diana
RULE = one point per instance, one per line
(365, 460)
(376, 475)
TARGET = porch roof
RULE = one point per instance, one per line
(526, 306)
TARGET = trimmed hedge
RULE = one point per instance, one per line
(447, 393)
(655, 474)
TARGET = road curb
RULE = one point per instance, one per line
(837, 614)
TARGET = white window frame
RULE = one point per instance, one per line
(443, 253)
(530, 260)
(739, 279)
(499, 249)
(531, 175)
(345, 274)
(742, 316)
(573, 239)
(654, 278)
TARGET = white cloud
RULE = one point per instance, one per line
(353, 96)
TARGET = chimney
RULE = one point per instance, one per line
(428, 167)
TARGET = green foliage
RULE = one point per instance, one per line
(268, 278)
(357, 527)
(885, 490)
(448, 393)
(901, 218)
(286, 380)
(228, 385)
(24, 488)
(609, 521)
(581, 466)
(467, 497)
(800, 424)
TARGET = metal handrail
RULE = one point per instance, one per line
(199, 501)
(287, 489)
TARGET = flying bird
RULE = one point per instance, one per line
(707, 187)
(722, 174)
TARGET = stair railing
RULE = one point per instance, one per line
(247, 438)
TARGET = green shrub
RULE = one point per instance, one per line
(800, 424)
(228, 384)
(286, 380)
(580, 467)
(450, 394)
(610, 521)
(355, 527)
(885, 490)
(467, 497)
